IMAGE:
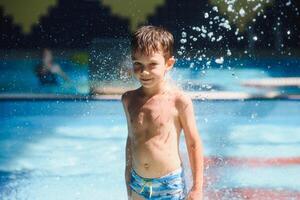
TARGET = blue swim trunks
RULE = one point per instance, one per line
(168, 187)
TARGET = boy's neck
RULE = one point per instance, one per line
(158, 89)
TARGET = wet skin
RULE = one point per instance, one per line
(156, 113)
(154, 134)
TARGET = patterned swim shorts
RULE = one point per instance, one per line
(167, 187)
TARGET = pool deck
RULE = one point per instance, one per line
(117, 96)
(114, 93)
(273, 82)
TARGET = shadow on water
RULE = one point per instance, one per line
(10, 182)
(22, 125)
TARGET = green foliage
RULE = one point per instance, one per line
(241, 12)
(136, 11)
(81, 58)
(26, 13)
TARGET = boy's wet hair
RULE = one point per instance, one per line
(150, 39)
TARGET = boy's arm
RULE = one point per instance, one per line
(128, 166)
(128, 159)
(193, 141)
(60, 72)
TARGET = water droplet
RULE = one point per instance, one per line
(215, 8)
(242, 12)
(228, 52)
(219, 60)
(230, 8)
(253, 115)
(183, 41)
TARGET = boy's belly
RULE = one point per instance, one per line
(153, 160)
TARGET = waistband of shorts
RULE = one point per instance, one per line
(169, 176)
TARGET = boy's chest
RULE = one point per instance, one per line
(155, 114)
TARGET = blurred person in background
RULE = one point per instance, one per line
(47, 71)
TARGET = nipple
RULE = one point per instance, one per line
(141, 118)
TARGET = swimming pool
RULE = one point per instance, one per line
(75, 150)
(17, 75)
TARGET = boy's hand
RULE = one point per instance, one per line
(194, 195)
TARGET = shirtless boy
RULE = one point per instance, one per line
(156, 113)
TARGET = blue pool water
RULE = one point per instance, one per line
(229, 75)
(17, 75)
(75, 150)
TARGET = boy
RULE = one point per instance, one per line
(156, 114)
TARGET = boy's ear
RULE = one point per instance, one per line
(170, 62)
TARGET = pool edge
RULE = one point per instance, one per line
(202, 96)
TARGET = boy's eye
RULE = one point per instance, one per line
(137, 66)
(152, 64)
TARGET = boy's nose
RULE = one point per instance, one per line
(145, 72)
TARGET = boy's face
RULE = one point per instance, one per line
(150, 70)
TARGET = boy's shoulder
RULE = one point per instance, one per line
(182, 99)
(128, 95)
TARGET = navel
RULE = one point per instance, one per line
(146, 165)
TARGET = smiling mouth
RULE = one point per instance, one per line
(142, 79)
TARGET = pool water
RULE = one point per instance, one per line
(229, 75)
(17, 75)
(75, 150)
